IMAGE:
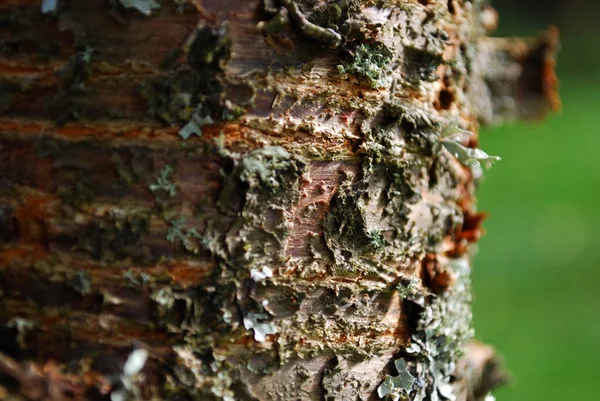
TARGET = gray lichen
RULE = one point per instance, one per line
(163, 182)
(443, 330)
(267, 180)
(261, 274)
(143, 6)
(397, 387)
(187, 237)
(23, 327)
(472, 158)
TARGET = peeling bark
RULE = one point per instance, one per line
(249, 200)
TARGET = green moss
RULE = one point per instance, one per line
(371, 63)
(367, 221)
(377, 239)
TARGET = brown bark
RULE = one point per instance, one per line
(248, 200)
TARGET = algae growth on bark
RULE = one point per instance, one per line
(249, 200)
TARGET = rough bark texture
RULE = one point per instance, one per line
(248, 200)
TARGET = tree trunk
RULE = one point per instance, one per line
(248, 200)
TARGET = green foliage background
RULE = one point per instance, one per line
(537, 275)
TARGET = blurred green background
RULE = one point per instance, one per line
(537, 274)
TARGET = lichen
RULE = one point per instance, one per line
(345, 227)
(397, 387)
(261, 274)
(442, 332)
(267, 180)
(473, 158)
(143, 6)
(194, 127)
(128, 383)
(256, 322)
(181, 5)
(163, 182)
(179, 233)
(276, 24)
(23, 327)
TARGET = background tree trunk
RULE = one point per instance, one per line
(247, 200)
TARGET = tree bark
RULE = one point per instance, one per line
(249, 200)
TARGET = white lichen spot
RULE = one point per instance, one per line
(143, 6)
(259, 275)
(253, 321)
(135, 362)
(128, 384)
(413, 348)
(22, 325)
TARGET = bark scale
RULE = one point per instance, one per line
(248, 200)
